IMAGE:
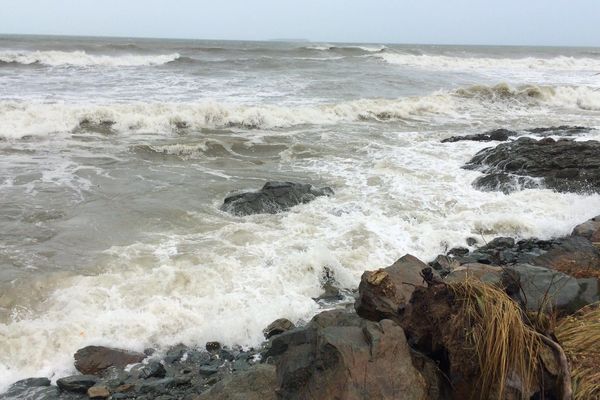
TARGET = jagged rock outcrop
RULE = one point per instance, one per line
(563, 165)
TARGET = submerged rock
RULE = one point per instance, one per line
(563, 165)
(565, 130)
(96, 359)
(274, 197)
(500, 135)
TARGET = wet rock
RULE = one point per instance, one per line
(98, 392)
(213, 346)
(162, 386)
(484, 272)
(256, 383)
(589, 230)
(457, 252)
(208, 370)
(563, 165)
(154, 369)
(500, 135)
(274, 197)
(327, 357)
(77, 383)
(382, 293)
(95, 359)
(506, 183)
(543, 288)
(565, 130)
(31, 389)
(575, 256)
(278, 326)
(175, 353)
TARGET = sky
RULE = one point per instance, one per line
(504, 22)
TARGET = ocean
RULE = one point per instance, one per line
(116, 154)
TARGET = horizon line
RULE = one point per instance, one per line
(287, 40)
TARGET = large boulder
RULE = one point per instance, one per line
(573, 255)
(563, 165)
(96, 359)
(543, 288)
(382, 293)
(486, 273)
(256, 383)
(274, 197)
(341, 356)
(589, 230)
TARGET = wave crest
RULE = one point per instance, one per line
(439, 62)
(83, 59)
(22, 119)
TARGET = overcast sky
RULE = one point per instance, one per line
(524, 22)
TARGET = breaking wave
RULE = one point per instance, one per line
(21, 118)
(83, 59)
(327, 47)
(440, 62)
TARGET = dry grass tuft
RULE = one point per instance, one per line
(507, 347)
(579, 335)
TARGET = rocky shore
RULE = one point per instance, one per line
(503, 319)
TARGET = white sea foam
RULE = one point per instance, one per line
(83, 59)
(439, 62)
(20, 119)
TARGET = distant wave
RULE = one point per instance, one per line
(367, 49)
(24, 118)
(439, 62)
(82, 59)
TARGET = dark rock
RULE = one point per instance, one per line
(444, 264)
(274, 197)
(226, 354)
(77, 383)
(560, 130)
(500, 135)
(175, 353)
(278, 326)
(563, 165)
(500, 242)
(589, 230)
(382, 293)
(458, 252)
(257, 383)
(213, 346)
(208, 370)
(327, 361)
(31, 389)
(471, 241)
(543, 288)
(154, 369)
(505, 183)
(96, 359)
(162, 386)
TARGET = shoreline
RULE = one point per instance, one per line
(285, 363)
